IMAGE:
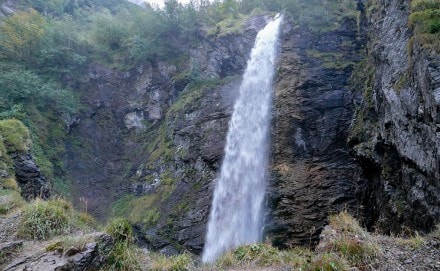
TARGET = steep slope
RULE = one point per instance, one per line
(157, 134)
(395, 134)
(312, 172)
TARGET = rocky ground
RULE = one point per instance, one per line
(343, 245)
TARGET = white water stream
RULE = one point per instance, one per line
(237, 209)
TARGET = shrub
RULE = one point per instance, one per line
(345, 223)
(120, 229)
(356, 251)
(21, 35)
(122, 256)
(349, 241)
(15, 135)
(45, 219)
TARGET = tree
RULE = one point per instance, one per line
(21, 35)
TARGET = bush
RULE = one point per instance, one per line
(21, 35)
(15, 135)
(122, 256)
(349, 241)
(425, 20)
(45, 219)
(345, 223)
(120, 229)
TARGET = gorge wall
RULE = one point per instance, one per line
(395, 133)
(355, 126)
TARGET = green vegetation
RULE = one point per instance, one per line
(425, 20)
(182, 262)
(331, 60)
(351, 243)
(15, 136)
(10, 200)
(45, 219)
(122, 255)
(328, 262)
(139, 209)
(264, 255)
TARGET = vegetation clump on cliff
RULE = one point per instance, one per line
(425, 20)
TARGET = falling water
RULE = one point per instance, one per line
(237, 208)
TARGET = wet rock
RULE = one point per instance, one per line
(312, 172)
(29, 177)
(398, 146)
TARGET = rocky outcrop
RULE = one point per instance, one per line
(196, 126)
(158, 131)
(8, 7)
(28, 175)
(88, 257)
(312, 172)
(395, 134)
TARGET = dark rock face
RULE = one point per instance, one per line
(103, 139)
(395, 133)
(112, 143)
(312, 171)
(32, 183)
(200, 134)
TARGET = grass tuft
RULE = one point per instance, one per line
(345, 223)
(182, 262)
(122, 256)
(15, 135)
(264, 255)
(349, 241)
(9, 201)
(120, 229)
(328, 262)
(45, 219)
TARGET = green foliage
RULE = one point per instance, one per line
(421, 5)
(63, 50)
(264, 255)
(45, 219)
(21, 35)
(122, 255)
(425, 20)
(22, 86)
(15, 135)
(349, 241)
(182, 262)
(10, 200)
(328, 262)
(120, 229)
(139, 209)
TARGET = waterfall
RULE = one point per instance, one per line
(237, 209)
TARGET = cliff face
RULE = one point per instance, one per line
(157, 134)
(149, 141)
(312, 172)
(395, 134)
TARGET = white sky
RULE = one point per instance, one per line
(156, 2)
